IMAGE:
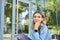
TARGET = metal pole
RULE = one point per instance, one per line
(1, 18)
(41, 5)
(13, 19)
(30, 16)
(17, 19)
(56, 19)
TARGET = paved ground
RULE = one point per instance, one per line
(7, 37)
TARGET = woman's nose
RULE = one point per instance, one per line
(36, 18)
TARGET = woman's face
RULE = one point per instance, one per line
(37, 18)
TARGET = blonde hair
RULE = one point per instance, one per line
(43, 16)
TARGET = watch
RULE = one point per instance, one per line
(36, 30)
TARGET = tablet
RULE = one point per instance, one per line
(22, 36)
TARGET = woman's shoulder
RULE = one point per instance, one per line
(44, 27)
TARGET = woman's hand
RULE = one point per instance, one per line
(37, 25)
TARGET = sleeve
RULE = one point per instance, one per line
(30, 34)
(42, 35)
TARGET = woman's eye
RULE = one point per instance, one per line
(34, 16)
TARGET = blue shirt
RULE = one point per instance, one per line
(42, 34)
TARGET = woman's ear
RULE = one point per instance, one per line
(44, 21)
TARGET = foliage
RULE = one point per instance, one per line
(50, 6)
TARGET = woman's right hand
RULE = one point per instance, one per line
(37, 25)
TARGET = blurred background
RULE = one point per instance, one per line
(16, 17)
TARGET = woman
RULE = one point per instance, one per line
(39, 30)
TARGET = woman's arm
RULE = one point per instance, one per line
(44, 34)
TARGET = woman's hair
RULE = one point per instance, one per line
(43, 16)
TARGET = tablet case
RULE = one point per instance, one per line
(22, 36)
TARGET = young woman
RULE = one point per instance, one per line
(39, 30)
